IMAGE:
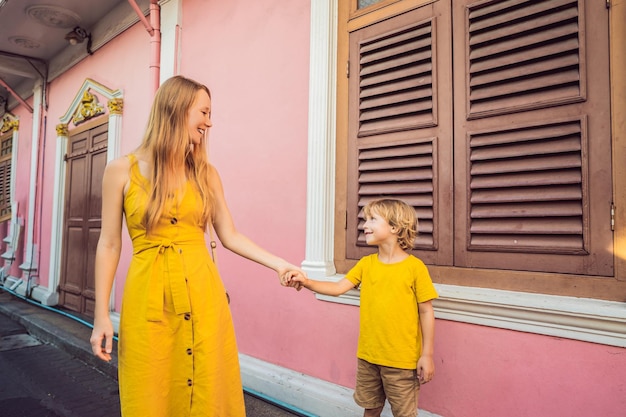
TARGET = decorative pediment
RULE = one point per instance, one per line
(89, 107)
(86, 104)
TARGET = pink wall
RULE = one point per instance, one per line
(254, 57)
(483, 371)
(255, 60)
(122, 64)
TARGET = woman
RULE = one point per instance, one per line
(177, 349)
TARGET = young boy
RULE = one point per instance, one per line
(397, 322)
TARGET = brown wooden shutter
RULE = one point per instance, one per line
(6, 149)
(533, 152)
(524, 55)
(399, 143)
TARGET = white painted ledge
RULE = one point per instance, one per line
(584, 319)
(315, 396)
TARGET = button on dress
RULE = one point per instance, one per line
(178, 354)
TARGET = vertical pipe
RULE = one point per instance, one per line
(155, 44)
(154, 29)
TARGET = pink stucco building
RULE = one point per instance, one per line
(521, 331)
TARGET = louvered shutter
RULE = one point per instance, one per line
(6, 149)
(532, 138)
(399, 144)
(524, 55)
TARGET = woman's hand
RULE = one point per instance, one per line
(286, 275)
(102, 338)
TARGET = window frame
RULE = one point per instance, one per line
(6, 164)
(10, 129)
(570, 317)
(567, 283)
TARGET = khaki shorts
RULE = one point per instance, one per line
(375, 383)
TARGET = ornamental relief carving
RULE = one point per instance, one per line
(89, 108)
(62, 130)
(9, 124)
(116, 105)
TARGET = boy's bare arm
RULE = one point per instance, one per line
(322, 287)
(426, 363)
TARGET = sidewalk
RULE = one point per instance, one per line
(40, 379)
(72, 337)
(56, 329)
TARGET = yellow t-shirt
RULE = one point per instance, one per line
(390, 332)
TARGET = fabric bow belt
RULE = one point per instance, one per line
(167, 271)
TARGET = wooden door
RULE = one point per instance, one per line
(85, 162)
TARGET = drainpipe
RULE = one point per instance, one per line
(154, 29)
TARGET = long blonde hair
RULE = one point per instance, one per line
(167, 142)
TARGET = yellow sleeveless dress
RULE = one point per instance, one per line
(177, 350)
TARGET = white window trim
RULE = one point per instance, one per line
(574, 318)
(584, 319)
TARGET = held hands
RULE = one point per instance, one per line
(292, 276)
(102, 339)
(297, 279)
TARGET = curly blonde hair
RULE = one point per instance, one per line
(399, 215)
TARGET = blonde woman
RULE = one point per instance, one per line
(177, 349)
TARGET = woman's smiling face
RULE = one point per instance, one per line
(199, 117)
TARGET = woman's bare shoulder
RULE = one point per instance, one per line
(118, 165)
(117, 171)
(215, 182)
(213, 173)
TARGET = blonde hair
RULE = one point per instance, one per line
(399, 215)
(167, 142)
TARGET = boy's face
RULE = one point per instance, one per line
(377, 230)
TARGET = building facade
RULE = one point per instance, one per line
(502, 123)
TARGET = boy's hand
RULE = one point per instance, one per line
(298, 281)
(293, 278)
(425, 369)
